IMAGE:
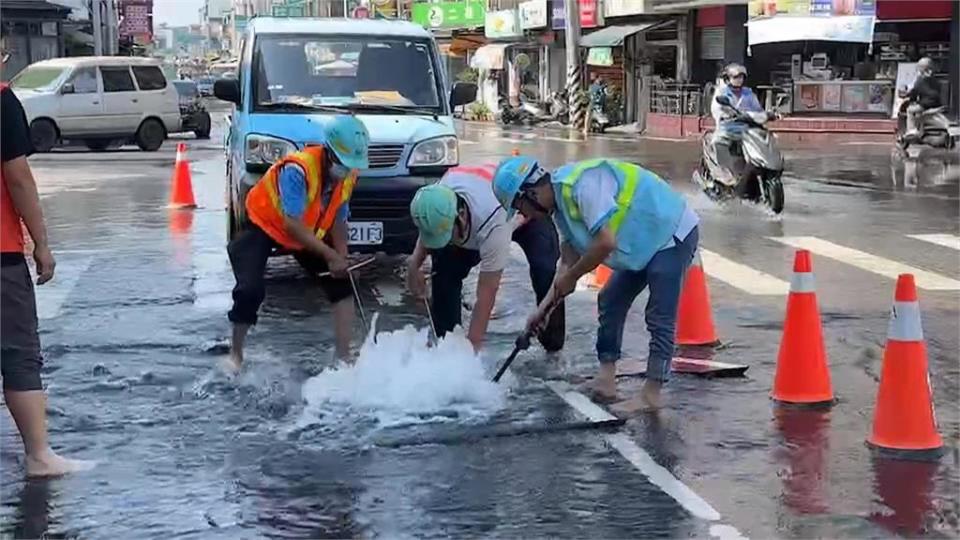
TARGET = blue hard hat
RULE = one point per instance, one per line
(349, 140)
(511, 175)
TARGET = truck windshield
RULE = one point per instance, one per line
(366, 71)
(40, 78)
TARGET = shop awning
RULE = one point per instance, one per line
(853, 29)
(489, 56)
(613, 36)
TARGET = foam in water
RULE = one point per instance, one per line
(400, 379)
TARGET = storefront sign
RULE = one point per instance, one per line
(815, 8)
(469, 14)
(855, 29)
(590, 15)
(712, 42)
(600, 56)
(621, 8)
(533, 14)
(502, 24)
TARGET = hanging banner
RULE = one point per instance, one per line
(600, 56)
(468, 14)
(814, 8)
(855, 29)
(590, 14)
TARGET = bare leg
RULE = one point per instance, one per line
(343, 327)
(238, 337)
(604, 387)
(29, 412)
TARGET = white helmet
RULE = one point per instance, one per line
(732, 70)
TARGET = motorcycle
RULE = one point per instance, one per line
(560, 107)
(512, 115)
(599, 121)
(934, 129)
(757, 167)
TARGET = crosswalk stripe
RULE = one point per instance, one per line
(871, 263)
(947, 240)
(742, 276)
(52, 295)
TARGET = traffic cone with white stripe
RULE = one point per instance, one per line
(904, 422)
(181, 191)
(694, 315)
(802, 377)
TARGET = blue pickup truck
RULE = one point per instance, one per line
(295, 72)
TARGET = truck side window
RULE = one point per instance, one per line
(84, 81)
(117, 79)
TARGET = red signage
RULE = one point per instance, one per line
(361, 12)
(589, 13)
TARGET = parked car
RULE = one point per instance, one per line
(395, 84)
(205, 85)
(98, 100)
(193, 113)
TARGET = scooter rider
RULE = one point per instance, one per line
(729, 130)
(462, 226)
(622, 215)
(924, 95)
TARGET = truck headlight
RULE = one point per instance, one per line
(441, 151)
(265, 150)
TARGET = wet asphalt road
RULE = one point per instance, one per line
(130, 324)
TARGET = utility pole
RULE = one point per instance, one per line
(574, 90)
(97, 15)
(113, 34)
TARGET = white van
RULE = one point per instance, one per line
(99, 100)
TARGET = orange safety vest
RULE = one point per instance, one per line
(11, 229)
(263, 201)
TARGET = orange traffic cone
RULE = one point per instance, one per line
(694, 316)
(802, 376)
(904, 420)
(181, 192)
(601, 275)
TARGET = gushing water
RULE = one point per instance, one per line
(399, 379)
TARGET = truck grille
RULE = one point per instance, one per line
(385, 156)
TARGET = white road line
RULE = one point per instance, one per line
(52, 295)
(640, 459)
(871, 263)
(465, 141)
(514, 141)
(742, 276)
(560, 139)
(947, 240)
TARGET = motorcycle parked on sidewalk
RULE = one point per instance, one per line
(934, 129)
(510, 115)
(757, 162)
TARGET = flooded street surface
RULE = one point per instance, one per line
(134, 324)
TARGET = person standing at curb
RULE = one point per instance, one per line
(20, 357)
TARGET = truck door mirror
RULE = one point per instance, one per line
(462, 93)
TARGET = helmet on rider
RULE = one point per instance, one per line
(434, 212)
(925, 65)
(349, 140)
(513, 178)
(734, 74)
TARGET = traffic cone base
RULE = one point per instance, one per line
(181, 190)
(694, 315)
(802, 377)
(904, 420)
(601, 275)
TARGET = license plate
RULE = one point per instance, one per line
(365, 233)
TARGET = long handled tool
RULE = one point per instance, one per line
(356, 298)
(360, 264)
(433, 327)
(523, 342)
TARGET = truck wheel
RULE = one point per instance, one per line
(203, 127)
(150, 136)
(43, 135)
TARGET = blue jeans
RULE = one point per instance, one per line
(664, 275)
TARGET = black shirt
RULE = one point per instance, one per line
(926, 92)
(14, 131)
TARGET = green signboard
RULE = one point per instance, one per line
(290, 8)
(469, 14)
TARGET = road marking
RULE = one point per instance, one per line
(514, 141)
(871, 263)
(742, 276)
(465, 141)
(51, 295)
(639, 458)
(560, 139)
(947, 240)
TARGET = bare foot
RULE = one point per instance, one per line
(603, 389)
(50, 464)
(231, 365)
(648, 401)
